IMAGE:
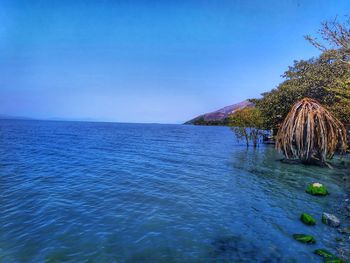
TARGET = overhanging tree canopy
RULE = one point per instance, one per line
(325, 78)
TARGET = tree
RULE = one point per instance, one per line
(335, 38)
(247, 124)
(325, 78)
(310, 133)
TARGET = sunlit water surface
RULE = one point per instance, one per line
(104, 192)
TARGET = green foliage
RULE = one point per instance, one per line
(202, 121)
(247, 124)
(247, 117)
(321, 79)
(325, 78)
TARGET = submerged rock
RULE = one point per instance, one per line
(334, 260)
(345, 230)
(324, 253)
(339, 239)
(330, 220)
(316, 189)
(304, 238)
(240, 249)
(307, 219)
(348, 208)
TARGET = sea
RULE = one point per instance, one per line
(118, 192)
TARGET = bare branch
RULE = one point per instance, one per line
(311, 133)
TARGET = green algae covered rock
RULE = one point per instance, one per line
(324, 253)
(304, 238)
(316, 189)
(334, 260)
(307, 219)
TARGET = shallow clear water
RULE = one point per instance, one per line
(104, 192)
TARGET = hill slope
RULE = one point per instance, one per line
(218, 117)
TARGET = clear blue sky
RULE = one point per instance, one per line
(148, 61)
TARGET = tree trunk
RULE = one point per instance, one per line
(246, 137)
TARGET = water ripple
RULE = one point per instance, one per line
(104, 192)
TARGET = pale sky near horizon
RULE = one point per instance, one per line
(148, 61)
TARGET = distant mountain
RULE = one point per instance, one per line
(11, 117)
(218, 117)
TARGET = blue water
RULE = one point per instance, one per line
(105, 192)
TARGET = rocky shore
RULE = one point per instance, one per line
(340, 222)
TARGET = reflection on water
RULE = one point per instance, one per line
(105, 192)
